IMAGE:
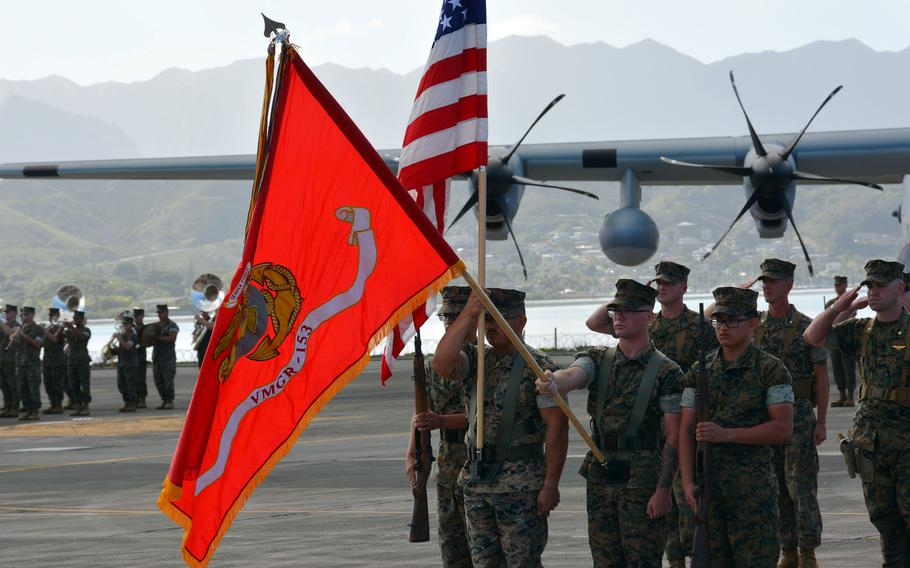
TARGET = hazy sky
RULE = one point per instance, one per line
(128, 40)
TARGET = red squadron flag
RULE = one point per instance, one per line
(447, 130)
(336, 254)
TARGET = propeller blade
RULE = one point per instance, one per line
(749, 203)
(789, 149)
(535, 183)
(733, 170)
(812, 177)
(798, 236)
(471, 202)
(756, 143)
(508, 155)
(505, 217)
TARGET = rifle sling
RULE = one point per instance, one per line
(631, 439)
(504, 434)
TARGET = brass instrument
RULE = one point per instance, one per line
(68, 299)
(111, 349)
(206, 296)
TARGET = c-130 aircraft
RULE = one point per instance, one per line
(765, 166)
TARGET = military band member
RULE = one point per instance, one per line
(780, 333)
(8, 363)
(164, 358)
(881, 424)
(142, 390)
(206, 324)
(53, 362)
(843, 365)
(511, 487)
(750, 399)
(127, 365)
(29, 339)
(632, 388)
(447, 414)
(78, 363)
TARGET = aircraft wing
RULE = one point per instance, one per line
(881, 156)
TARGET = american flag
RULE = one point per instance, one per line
(447, 130)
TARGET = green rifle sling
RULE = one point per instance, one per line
(504, 433)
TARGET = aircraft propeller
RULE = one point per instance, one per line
(770, 173)
(500, 178)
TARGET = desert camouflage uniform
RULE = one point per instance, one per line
(448, 398)
(677, 338)
(8, 384)
(842, 364)
(743, 512)
(164, 362)
(28, 368)
(881, 429)
(54, 367)
(619, 530)
(796, 463)
(78, 363)
(503, 522)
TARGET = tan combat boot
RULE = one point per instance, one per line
(32, 415)
(7, 412)
(127, 407)
(141, 403)
(807, 558)
(840, 401)
(70, 405)
(76, 408)
(55, 409)
(168, 405)
(677, 563)
(849, 402)
(789, 558)
(83, 410)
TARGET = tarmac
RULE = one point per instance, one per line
(82, 491)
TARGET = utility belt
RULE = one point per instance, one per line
(525, 452)
(453, 436)
(613, 442)
(862, 462)
(900, 395)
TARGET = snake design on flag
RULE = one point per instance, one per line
(361, 236)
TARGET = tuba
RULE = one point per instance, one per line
(206, 297)
(68, 299)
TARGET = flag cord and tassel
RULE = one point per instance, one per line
(532, 364)
(481, 321)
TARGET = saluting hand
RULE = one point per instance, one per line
(711, 432)
(749, 283)
(846, 300)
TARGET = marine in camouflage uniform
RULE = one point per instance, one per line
(628, 496)
(164, 358)
(127, 363)
(53, 363)
(447, 408)
(796, 462)
(842, 364)
(512, 485)
(8, 364)
(677, 338)
(742, 394)
(78, 363)
(28, 364)
(881, 425)
(142, 390)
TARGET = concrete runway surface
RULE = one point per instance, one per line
(82, 491)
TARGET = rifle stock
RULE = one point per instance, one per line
(704, 463)
(423, 449)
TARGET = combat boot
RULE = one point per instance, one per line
(141, 403)
(807, 558)
(677, 563)
(77, 408)
(32, 415)
(83, 410)
(789, 558)
(55, 409)
(849, 402)
(127, 407)
(840, 401)
(7, 413)
(161, 406)
(70, 405)
(168, 405)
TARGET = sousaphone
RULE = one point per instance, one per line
(68, 299)
(206, 296)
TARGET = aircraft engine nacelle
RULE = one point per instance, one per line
(768, 213)
(629, 236)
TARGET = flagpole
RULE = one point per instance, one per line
(481, 277)
(529, 359)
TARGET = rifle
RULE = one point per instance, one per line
(423, 450)
(704, 462)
